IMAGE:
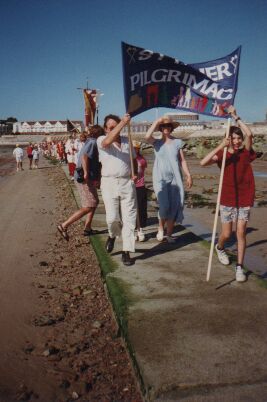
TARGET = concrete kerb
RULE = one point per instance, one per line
(139, 318)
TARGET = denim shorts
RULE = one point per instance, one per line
(232, 214)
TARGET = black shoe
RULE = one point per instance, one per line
(110, 244)
(125, 257)
(89, 232)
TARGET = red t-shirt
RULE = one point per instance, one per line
(29, 150)
(238, 188)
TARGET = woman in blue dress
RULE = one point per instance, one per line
(167, 175)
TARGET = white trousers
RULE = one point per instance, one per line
(119, 196)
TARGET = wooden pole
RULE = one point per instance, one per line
(130, 148)
(218, 203)
(132, 170)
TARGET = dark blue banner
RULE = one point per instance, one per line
(155, 80)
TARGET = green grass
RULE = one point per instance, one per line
(120, 295)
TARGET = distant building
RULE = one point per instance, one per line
(188, 122)
(6, 126)
(138, 127)
(183, 116)
(45, 127)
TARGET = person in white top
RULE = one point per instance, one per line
(117, 185)
(18, 153)
(70, 149)
(35, 155)
(79, 143)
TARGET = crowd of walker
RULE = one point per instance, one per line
(102, 158)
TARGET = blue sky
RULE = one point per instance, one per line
(50, 47)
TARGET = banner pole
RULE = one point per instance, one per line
(132, 170)
(130, 148)
(218, 203)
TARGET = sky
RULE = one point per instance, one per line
(49, 48)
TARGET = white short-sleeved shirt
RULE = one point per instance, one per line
(115, 159)
(35, 154)
(18, 152)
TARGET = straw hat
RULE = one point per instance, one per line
(136, 144)
(17, 145)
(168, 121)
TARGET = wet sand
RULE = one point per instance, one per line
(59, 338)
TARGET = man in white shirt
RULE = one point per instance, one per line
(18, 153)
(117, 185)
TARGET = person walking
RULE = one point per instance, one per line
(117, 185)
(35, 156)
(18, 153)
(87, 180)
(238, 189)
(71, 152)
(141, 192)
(29, 154)
(167, 175)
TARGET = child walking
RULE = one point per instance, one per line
(35, 156)
(238, 188)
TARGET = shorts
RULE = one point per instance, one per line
(19, 158)
(232, 214)
(30, 156)
(88, 195)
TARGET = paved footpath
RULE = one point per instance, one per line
(192, 340)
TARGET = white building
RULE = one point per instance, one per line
(45, 127)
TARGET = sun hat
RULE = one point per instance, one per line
(167, 121)
(136, 144)
(17, 145)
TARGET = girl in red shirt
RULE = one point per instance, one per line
(238, 188)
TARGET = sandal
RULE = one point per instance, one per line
(89, 232)
(63, 232)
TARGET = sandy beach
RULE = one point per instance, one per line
(65, 340)
(59, 338)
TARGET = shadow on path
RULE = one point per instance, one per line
(164, 247)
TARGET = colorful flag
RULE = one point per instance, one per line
(90, 106)
(155, 80)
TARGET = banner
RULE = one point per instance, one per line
(155, 80)
(71, 127)
(90, 106)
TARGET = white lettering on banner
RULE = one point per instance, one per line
(159, 79)
(221, 92)
(234, 61)
(217, 73)
(145, 54)
(134, 80)
(146, 80)
(163, 75)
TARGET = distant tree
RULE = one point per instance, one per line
(11, 120)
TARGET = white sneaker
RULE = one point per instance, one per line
(160, 235)
(141, 235)
(170, 239)
(222, 256)
(239, 274)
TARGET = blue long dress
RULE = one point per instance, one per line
(167, 179)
